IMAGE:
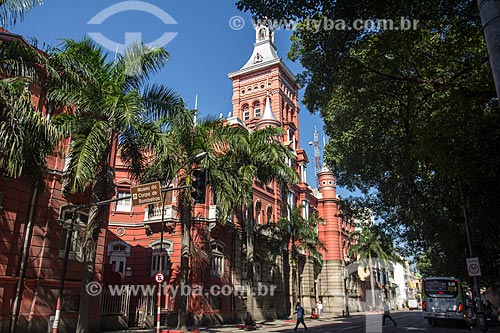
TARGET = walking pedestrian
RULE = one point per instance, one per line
(319, 306)
(387, 314)
(300, 316)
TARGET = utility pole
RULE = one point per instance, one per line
(490, 19)
(480, 315)
(317, 155)
(69, 236)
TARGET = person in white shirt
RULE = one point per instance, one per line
(319, 307)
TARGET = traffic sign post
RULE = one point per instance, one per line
(473, 267)
(159, 277)
(146, 194)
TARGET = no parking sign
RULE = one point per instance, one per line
(159, 277)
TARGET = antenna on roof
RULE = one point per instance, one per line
(116, 53)
(195, 109)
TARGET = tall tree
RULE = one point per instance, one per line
(299, 236)
(411, 113)
(490, 18)
(232, 158)
(114, 109)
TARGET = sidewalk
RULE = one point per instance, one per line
(263, 326)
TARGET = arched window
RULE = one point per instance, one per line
(256, 109)
(269, 214)
(246, 112)
(217, 254)
(118, 252)
(258, 206)
(167, 248)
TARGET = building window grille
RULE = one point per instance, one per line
(76, 244)
(157, 255)
(217, 254)
(124, 205)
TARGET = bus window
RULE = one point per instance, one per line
(441, 288)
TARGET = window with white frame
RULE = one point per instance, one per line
(123, 205)
(160, 255)
(256, 109)
(217, 255)
(305, 209)
(76, 242)
(118, 252)
(246, 112)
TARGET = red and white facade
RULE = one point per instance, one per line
(265, 93)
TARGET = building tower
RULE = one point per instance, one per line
(334, 234)
(265, 83)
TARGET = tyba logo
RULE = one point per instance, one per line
(131, 37)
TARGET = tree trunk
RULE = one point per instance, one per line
(372, 284)
(24, 258)
(250, 266)
(490, 18)
(184, 269)
(294, 258)
(89, 257)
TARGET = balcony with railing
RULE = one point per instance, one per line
(154, 213)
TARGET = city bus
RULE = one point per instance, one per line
(443, 298)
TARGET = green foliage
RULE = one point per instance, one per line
(298, 234)
(411, 115)
(370, 242)
(27, 136)
(13, 10)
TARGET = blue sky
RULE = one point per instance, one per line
(203, 52)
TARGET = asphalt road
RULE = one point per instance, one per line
(407, 321)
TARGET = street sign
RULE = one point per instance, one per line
(473, 267)
(146, 194)
(159, 277)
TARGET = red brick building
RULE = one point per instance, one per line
(265, 93)
(30, 226)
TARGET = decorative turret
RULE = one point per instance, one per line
(264, 49)
(327, 183)
(268, 118)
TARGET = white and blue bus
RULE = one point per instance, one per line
(443, 298)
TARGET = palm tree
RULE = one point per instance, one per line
(259, 155)
(12, 10)
(233, 158)
(299, 235)
(114, 107)
(369, 242)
